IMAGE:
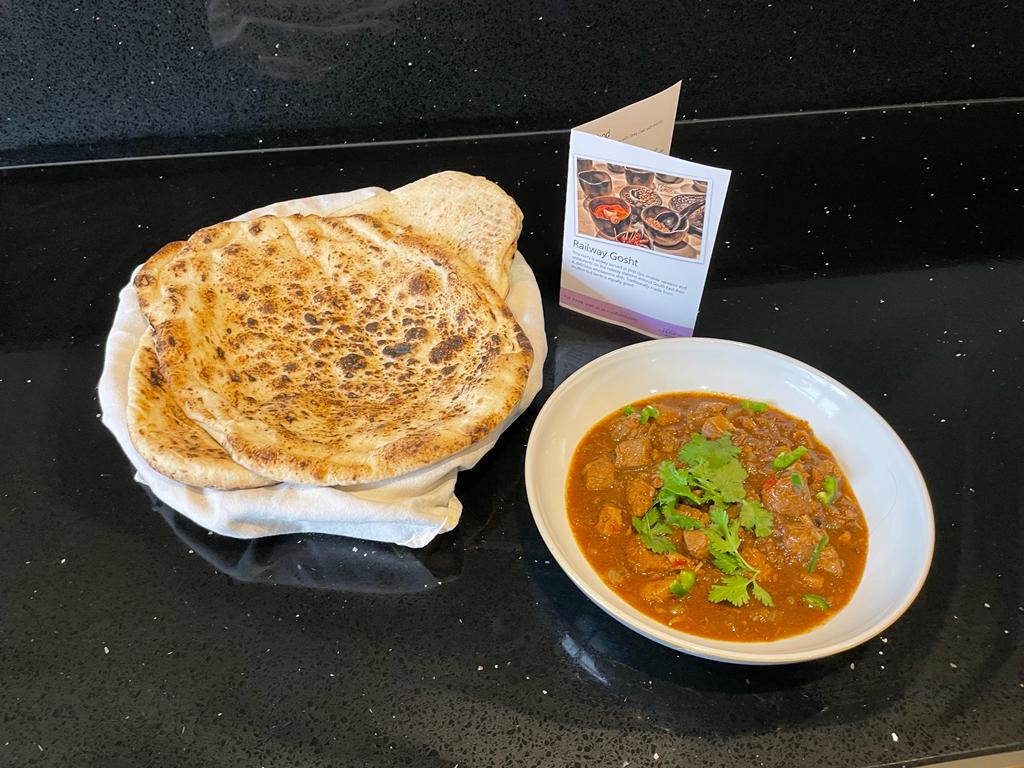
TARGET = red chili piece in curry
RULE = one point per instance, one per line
(614, 478)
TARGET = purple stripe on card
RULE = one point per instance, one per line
(617, 314)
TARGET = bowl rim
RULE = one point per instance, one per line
(694, 644)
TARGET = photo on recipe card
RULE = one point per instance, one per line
(646, 208)
(639, 234)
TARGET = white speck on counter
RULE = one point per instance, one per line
(986, 605)
(105, 650)
(656, 756)
(543, 691)
(952, 665)
(479, 669)
(895, 737)
(853, 665)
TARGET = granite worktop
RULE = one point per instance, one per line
(882, 247)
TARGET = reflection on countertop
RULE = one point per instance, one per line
(320, 561)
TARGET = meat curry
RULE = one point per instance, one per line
(721, 517)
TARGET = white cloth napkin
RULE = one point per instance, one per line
(409, 510)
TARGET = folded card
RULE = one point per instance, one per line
(640, 225)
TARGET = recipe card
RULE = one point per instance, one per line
(639, 224)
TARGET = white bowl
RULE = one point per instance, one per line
(887, 482)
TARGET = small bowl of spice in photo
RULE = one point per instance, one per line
(639, 176)
(610, 215)
(595, 183)
(665, 227)
(696, 219)
(584, 164)
(700, 186)
(684, 203)
(616, 168)
(639, 198)
(667, 179)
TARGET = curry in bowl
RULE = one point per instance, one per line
(716, 516)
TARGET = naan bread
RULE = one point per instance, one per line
(332, 351)
(168, 440)
(470, 213)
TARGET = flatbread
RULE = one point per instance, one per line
(168, 440)
(470, 213)
(332, 351)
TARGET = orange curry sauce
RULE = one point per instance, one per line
(614, 477)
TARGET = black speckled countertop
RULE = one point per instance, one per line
(881, 247)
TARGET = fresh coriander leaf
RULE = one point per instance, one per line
(754, 405)
(665, 500)
(714, 453)
(684, 521)
(659, 545)
(784, 460)
(756, 518)
(724, 484)
(629, 410)
(720, 522)
(827, 494)
(683, 584)
(643, 524)
(653, 532)
(761, 594)
(724, 543)
(818, 549)
(673, 479)
(677, 481)
(817, 601)
(649, 412)
(714, 468)
(727, 562)
(796, 479)
(731, 589)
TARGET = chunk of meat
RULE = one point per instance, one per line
(696, 543)
(657, 591)
(830, 562)
(667, 440)
(599, 474)
(610, 520)
(784, 498)
(822, 468)
(700, 413)
(624, 426)
(813, 581)
(639, 496)
(716, 426)
(634, 452)
(668, 414)
(642, 560)
(799, 538)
